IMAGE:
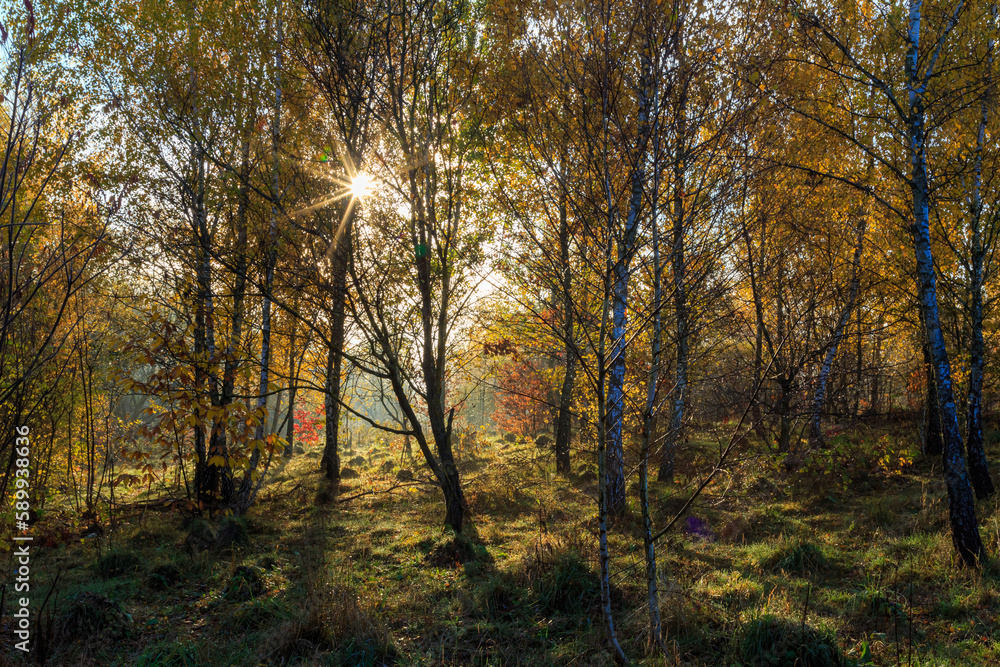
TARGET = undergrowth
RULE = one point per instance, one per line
(826, 566)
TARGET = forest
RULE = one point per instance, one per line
(499, 332)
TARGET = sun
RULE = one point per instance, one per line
(361, 185)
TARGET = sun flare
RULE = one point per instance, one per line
(361, 185)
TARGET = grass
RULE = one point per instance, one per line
(805, 567)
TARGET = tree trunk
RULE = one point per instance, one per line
(330, 463)
(253, 478)
(785, 420)
(964, 525)
(932, 444)
(876, 370)
(978, 468)
(649, 421)
(815, 427)
(293, 381)
(603, 440)
(760, 330)
(679, 272)
(626, 248)
(564, 418)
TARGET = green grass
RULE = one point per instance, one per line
(802, 566)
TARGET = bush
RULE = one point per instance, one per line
(772, 642)
(170, 654)
(497, 597)
(457, 550)
(232, 530)
(333, 621)
(261, 612)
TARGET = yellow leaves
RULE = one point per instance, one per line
(217, 460)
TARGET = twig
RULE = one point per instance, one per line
(733, 440)
(374, 491)
(805, 610)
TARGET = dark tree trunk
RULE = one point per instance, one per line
(681, 315)
(815, 427)
(933, 445)
(564, 422)
(330, 463)
(564, 419)
(784, 410)
(292, 382)
(978, 468)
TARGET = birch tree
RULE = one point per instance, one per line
(917, 94)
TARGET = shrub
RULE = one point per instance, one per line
(261, 612)
(333, 621)
(173, 654)
(800, 558)
(163, 576)
(497, 597)
(232, 530)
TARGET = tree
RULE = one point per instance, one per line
(916, 96)
(344, 55)
(55, 241)
(410, 289)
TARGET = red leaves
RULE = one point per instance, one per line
(521, 402)
(309, 426)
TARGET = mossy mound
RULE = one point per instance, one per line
(91, 616)
(163, 576)
(117, 564)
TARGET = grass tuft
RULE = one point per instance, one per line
(769, 641)
(246, 583)
(91, 616)
(117, 563)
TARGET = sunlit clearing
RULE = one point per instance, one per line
(361, 186)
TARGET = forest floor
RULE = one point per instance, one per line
(845, 561)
